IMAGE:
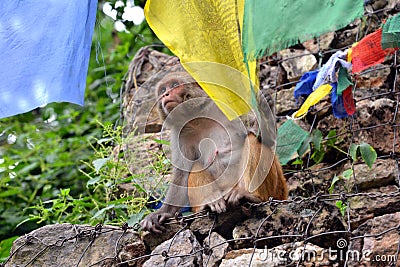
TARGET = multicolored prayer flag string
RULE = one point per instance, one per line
(364, 54)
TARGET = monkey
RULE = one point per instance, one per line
(217, 163)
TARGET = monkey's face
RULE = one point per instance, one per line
(175, 89)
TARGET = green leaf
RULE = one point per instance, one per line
(93, 181)
(10, 192)
(347, 174)
(298, 161)
(318, 156)
(65, 192)
(161, 142)
(5, 247)
(342, 207)
(99, 163)
(368, 154)
(289, 139)
(334, 180)
(305, 146)
(331, 139)
(103, 211)
(136, 218)
(353, 151)
(104, 140)
(316, 139)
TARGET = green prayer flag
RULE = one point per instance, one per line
(344, 81)
(270, 26)
(290, 138)
(391, 33)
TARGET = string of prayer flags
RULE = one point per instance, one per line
(291, 21)
(328, 72)
(368, 52)
(205, 35)
(391, 32)
(313, 99)
(305, 85)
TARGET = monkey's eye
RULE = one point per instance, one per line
(162, 90)
(174, 84)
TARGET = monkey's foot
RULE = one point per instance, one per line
(234, 197)
(217, 206)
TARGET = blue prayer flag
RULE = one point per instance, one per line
(45, 49)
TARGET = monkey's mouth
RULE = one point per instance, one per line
(170, 105)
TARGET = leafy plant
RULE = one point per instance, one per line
(342, 207)
(114, 193)
(367, 152)
(320, 145)
(344, 178)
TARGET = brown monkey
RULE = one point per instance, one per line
(216, 162)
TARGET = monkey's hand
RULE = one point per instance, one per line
(154, 221)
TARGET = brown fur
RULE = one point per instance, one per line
(274, 184)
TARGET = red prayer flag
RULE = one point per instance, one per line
(368, 52)
(348, 101)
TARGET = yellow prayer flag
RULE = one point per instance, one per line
(206, 36)
(314, 98)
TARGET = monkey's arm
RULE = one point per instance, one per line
(175, 199)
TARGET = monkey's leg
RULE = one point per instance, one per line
(262, 175)
(204, 192)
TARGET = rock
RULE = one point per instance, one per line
(218, 247)
(270, 76)
(348, 35)
(243, 257)
(370, 113)
(373, 82)
(379, 4)
(284, 255)
(268, 224)
(296, 62)
(146, 69)
(153, 240)
(393, 4)
(285, 102)
(223, 223)
(185, 244)
(307, 184)
(382, 173)
(366, 207)
(76, 245)
(378, 245)
(325, 42)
